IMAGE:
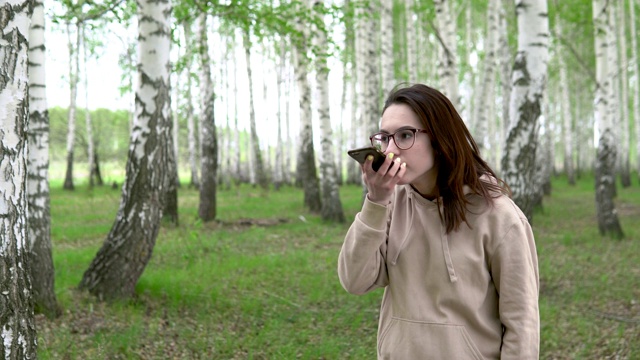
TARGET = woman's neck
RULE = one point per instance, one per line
(427, 194)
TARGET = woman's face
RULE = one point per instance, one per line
(421, 169)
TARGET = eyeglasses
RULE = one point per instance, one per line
(404, 139)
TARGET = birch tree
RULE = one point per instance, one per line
(39, 215)
(278, 169)
(505, 60)
(256, 153)
(331, 204)
(74, 69)
(188, 111)
(119, 263)
(412, 49)
(386, 46)
(565, 105)
(448, 69)
(486, 96)
(87, 116)
(528, 85)
(636, 75)
(623, 64)
(209, 139)
(608, 223)
(18, 339)
(306, 174)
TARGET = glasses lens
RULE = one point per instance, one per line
(404, 138)
(380, 141)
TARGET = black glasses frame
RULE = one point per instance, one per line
(393, 136)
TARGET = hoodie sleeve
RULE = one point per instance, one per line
(515, 274)
(361, 263)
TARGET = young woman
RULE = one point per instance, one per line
(456, 257)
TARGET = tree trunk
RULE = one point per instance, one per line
(623, 64)
(39, 215)
(307, 175)
(188, 111)
(506, 62)
(278, 169)
(529, 78)
(87, 115)
(448, 62)
(170, 210)
(331, 204)
(96, 169)
(371, 69)
(608, 223)
(636, 75)
(74, 67)
(209, 144)
(386, 47)
(256, 153)
(352, 77)
(238, 163)
(118, 265)
(485, 97)
(412, 48)
(565, 105)
(18, 338)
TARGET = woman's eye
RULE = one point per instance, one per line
(406, 135)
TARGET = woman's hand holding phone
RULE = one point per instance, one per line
(380, 172)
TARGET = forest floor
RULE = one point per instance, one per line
(261, 282)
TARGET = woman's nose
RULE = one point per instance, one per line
(392, 147)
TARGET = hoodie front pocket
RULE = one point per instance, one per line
(410, 339)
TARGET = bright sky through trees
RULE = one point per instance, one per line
(105, 79)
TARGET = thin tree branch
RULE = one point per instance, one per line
(586, 69)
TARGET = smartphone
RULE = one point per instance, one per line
(360, 155)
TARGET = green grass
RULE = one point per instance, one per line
(269, 290)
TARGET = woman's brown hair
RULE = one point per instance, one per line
(456, 152)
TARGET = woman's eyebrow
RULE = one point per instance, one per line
(398, 129)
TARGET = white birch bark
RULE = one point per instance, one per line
(39, 214)
(386, 46)
(412, 48)
(371, 91)
(620, 24)
(613, 72)
(331, 204)
(118, 265)
(87, 115)
(256, 153)
(448, 69)
(506, 62)
(528, 85)
(236, 71)
(306, 164)
(486, 94)
(18, 338)
(278, 170)
(356, 137)
(192, 143)
(565, 105)
(289, 148)
(635, 73)
(209, 139)
(608, 223)
(74, 69)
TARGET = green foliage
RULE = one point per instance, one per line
(110, 132)
(261, 282)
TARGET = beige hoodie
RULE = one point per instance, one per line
(469, 294)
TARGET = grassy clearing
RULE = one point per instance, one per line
(261, 282)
